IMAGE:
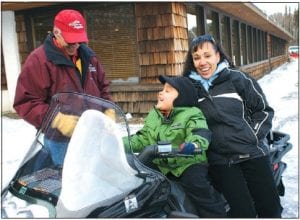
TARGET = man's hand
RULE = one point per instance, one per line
(110, 113)
(65, 123)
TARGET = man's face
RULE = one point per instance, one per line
(166, 98)
(70, 48)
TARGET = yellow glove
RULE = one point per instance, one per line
(65, 123)
(110, 113)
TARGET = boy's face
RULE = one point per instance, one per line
(166, 98)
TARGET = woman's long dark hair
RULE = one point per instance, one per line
(198, 42)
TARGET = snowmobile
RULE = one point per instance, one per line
(100, 178)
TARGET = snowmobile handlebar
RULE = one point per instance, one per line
(277, 140)
(163, 149)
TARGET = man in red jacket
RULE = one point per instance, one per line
(64, 63)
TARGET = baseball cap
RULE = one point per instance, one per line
(187, 93)
(72, 26)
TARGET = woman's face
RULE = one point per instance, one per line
(205, 60)
(166, 98)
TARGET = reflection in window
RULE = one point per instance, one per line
(212, 24)
(250, 45)
(243, 45)
(236, 43)
(225, 27)
(192, 27)
(112, 35)
(254, 35)
(42, 24)
(265, 45)
(277, 46)
(259, 46)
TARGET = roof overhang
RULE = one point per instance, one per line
(16, 6)
(249, 13)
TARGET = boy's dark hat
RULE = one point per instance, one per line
(187, 92)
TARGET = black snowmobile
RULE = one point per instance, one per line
(99, 177)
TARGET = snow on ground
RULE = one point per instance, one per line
(281, 90)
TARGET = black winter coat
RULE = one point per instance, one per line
(238, 115)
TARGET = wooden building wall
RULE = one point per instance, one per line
(162, 40)
(3, 75)
(163, 43)
(22, 40)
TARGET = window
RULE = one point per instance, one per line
(243, 45)
(41, 25)
(259, 46)
(112, 35)
(277, 46)
(192, 27)
(254, 35)
(225, 31)
(236, 43)
(265, 46)
(195, 21)
(212, 22)
(250, 45)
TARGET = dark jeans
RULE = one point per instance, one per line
(208, 202)
(249, 188)
(57, 150)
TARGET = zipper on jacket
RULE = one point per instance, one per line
(208, 93)
(200, 87)
(230, 162)
(210, 97)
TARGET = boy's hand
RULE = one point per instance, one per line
(187, 148)
(65, 123)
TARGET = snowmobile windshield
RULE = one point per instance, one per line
(78, 162)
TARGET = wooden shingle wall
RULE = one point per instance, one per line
(162, 39)
(135, 99)
(22, 40)
(161, 30)
(163, 44)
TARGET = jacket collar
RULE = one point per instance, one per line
(222, 76)
(173, 112)
(55, 55)
(206, 83)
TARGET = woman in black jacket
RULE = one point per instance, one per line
(240, 118)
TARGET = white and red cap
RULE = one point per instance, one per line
(72, 26)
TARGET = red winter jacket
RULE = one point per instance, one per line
(48, 71)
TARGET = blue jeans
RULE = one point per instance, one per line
(57, 150)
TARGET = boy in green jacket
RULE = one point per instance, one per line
(174, 119)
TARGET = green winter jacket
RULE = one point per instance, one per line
(178, 128)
